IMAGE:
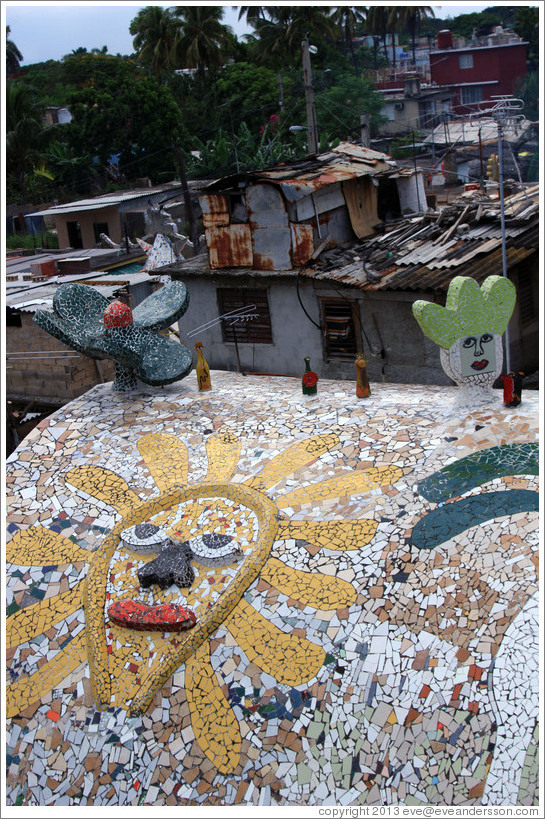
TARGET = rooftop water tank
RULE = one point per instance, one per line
(444, 38)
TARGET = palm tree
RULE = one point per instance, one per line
(13, 55)
(252, 13)
(311, 20)
(377, 19)
(154, 31)
(410, 17)
(347, 18)
(270, 41)
(395, 24)
(202, 40)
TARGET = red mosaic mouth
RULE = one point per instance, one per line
(480, 365)
(140, 616)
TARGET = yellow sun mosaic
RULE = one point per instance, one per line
(127, 666)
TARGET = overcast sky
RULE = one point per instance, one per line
(44, 30)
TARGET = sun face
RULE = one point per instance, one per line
(129, 665)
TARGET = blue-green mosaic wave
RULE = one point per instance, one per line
(474, 470)
(452, 519)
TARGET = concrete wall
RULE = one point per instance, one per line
(48, 379)
(87, 219)
(395, 348)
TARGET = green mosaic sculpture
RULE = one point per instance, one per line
(86, 321)
(469, 329)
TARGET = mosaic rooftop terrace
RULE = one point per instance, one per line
(373, 642)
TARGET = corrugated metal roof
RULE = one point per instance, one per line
(425, 253)
(30, 298)
(298, 179)
(106, 201)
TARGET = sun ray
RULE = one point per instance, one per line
(353, 483)
(339, 535)
(33, 620)
(104, 485)
(28, 690)
(287, 657)
(215, 725)
(294, 457)
(222, 451)
(38, 546)
(317, 590)
(166, 458)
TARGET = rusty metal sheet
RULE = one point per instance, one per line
(302, 244)
(229, 246)
(271, 237)
(271, 248)
(360, 152)
(215, 209)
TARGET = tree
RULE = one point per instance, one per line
(269, 45)
(410, 18)
(202, 41)
(311, 20)
(118, 110)
(249, 93)
(154, 31)
(347, 18)
(26, 136)
(252, 12)
(338, 108)
(13, 55)
(278, 36)
(73, 171)
(378, 20)
(527, 27)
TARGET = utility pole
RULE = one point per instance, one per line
(364, 125)
(309, 99)
(190, 213)
(281, 93)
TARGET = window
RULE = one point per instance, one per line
(249, 331)
(13, 318)
(74, 235)
(465, 60)
(340, 320)
(100, 227)
(471, 93)
(133, 224)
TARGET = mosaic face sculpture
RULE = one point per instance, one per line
(469, 329)
(86, 321)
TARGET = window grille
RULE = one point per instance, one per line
(339, 319)
(251, 331)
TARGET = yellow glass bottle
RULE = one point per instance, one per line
(202, 370)
(363, 389)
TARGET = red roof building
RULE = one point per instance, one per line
(477, 72)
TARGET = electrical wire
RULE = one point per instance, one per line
(303, 306)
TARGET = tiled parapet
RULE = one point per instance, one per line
(469, 331)
(86, 321)
(374, 660)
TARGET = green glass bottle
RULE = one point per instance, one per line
(309, 380)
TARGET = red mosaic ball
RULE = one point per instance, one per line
(117, 314)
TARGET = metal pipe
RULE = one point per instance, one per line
(503, 240)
